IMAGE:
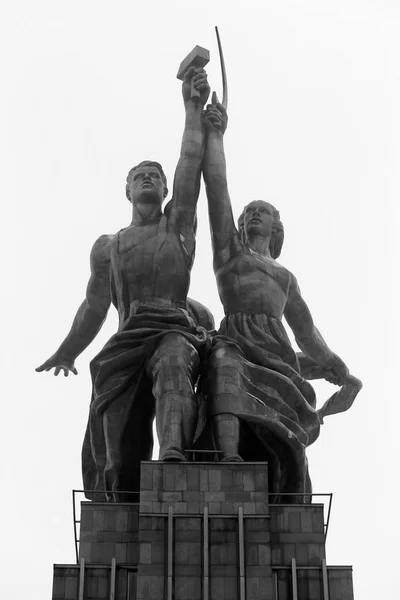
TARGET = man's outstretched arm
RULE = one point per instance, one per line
(90, 315)
(309, 339)
(188, 171)
(214, 167)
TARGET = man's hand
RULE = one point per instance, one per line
(199, 79)
(58, 363)
(215, 117)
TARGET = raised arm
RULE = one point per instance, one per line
(90, 315)
(188, 171)
(223, 231)
(309, 339)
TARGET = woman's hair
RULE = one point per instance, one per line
(146, 163)
(276, 242)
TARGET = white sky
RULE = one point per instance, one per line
(89, 90)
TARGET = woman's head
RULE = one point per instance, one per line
(262, 218)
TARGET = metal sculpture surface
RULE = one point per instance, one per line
(151, 364)
(259, 404)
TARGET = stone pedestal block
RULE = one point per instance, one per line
(202, 531)
(96, 583)
(297, 531)
(189, 487)
(109, 530)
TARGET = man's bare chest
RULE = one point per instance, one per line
(139, 239)
(148, 248)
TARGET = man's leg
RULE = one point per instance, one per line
(174, 370)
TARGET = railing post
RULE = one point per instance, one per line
(170, 550)
(74, 517)
(206, 565)
(329, 515)
(294, 580)
(113, 578)
(276, 587)
(325, 584)
(242, 581)
(131, 586)
(81, 578)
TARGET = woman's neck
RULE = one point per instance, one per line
(259, 245)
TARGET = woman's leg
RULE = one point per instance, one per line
(226, 431)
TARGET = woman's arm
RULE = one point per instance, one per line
(224, 235)
(309, 339)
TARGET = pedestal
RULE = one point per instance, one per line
(202, 531)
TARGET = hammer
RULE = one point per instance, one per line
(197, 58)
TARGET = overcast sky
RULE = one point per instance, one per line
(89, 90)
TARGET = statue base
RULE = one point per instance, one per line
(202, 531)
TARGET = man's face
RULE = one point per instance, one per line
(146, 185)
(258, 218)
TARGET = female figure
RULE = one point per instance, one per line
(259, 405)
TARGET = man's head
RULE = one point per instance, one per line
(261, 218)
(147, 182)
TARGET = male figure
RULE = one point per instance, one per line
(260, 406)
(152, 363)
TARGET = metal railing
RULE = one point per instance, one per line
(134, 495)
(308, 495)
(192, 454)
(136, 500)
(293, 570)
(113, 567)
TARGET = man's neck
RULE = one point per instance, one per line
(146, 213)
(259, 244)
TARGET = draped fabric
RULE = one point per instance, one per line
(254, 374)
(119, 431)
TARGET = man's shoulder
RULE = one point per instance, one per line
(104, 239)
(101, 250)
(177, 215)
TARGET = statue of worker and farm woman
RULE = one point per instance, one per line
(242, 390)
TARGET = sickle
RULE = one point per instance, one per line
(223, 70)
